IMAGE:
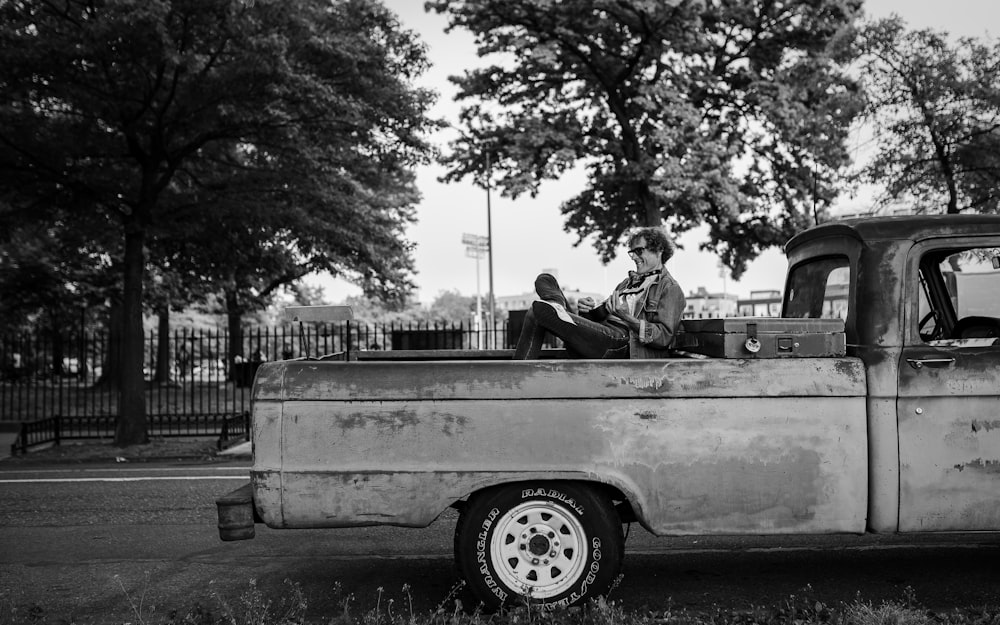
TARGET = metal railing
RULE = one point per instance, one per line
(192, 382)
(229, 428)
(235, 429)
(191, 373)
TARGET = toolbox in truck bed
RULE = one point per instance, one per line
(762, 337)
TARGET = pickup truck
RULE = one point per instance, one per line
(546, 460)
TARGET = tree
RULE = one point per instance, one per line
(726, 112)
(935, 110)
(123, 108)
(376, 311)
(450, 306)
(249, 249)
(979, 162)
(52, 274)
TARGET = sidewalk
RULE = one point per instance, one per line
(102, 451)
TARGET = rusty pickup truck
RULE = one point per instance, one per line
(546, 460)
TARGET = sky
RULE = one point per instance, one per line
(528, 233)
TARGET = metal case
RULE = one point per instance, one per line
(762, 337)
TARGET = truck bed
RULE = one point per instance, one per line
(694, 446)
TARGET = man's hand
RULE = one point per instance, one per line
(618, 309)
(586, 304)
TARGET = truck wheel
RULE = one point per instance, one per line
(552, 542)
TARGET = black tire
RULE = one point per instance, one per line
(556, 543)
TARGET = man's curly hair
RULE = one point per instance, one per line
(656, 240)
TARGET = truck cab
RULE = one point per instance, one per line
(921, 301)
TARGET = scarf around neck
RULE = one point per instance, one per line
(635, 279)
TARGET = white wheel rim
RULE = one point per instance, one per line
(539, 548)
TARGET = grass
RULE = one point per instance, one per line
(253, 607)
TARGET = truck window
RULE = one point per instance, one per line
(819, 289)
(960, 297)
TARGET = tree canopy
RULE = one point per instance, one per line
(52, 273)
(934, 106)
(291, 118)
(723, 112)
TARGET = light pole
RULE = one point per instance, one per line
(489, 243)
(475, 246)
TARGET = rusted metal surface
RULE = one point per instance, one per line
(236, 519)
(267, 457)
(933, 465)
(903, 228)
(793, 460)
(949, 462)
(949, 417)
(878, 322)
(569, 379)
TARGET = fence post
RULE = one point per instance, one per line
(56, 423)
(23, 439)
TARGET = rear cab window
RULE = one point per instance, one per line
(819, 289)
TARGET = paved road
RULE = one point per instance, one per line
(81, 542)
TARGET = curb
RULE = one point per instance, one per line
(105, 454)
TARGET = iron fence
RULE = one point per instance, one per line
(190, 375)
(195, 378)
(229, 428)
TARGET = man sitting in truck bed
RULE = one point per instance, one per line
(638, 320)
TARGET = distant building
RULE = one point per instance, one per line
(975, 293)
(835, 303)
(768, 303)
(704, 305)
(761, 304)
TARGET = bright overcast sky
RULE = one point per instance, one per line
(528, 234)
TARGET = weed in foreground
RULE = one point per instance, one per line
(12, 614)
(253, 607)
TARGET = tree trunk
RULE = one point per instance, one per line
(132, 428)
(234, 317)
(653, 214)
(163, 346)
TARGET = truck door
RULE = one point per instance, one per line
(948, 408)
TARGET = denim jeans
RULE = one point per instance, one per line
(583, 338)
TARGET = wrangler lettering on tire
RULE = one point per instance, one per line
(557, 543)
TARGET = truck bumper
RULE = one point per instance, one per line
(237, 514)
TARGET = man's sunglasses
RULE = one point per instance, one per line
(637, 251)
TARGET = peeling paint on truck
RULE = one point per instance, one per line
(794, 460)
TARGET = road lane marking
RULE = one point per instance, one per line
(53, 480)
